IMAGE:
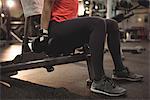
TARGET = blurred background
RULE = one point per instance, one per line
(132, 16)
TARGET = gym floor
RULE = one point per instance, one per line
(68, 81)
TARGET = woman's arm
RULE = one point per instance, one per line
(46, 13)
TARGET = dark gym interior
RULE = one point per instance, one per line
(69, 74)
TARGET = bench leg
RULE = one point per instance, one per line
(89, 65)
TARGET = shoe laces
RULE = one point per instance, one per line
(129, 73)
(110, 81)
(125, 71)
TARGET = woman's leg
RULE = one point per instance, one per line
(120, 72)
(113, 40)
(96, 42)
(78, 31)
(92, 30)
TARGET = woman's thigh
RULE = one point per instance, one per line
(71, 33)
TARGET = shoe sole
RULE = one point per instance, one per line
(128, 79)
(106, 93)
(5, 83)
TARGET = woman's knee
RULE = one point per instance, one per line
(98, 22)
(112, 23)
(112, 26)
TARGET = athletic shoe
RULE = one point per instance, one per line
(125, 74)
(31, 39)
(39, 44)
(107, 87)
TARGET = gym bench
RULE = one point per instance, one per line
(30, 60)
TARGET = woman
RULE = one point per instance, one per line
(66, 32)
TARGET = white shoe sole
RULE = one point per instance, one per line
(128, 79)
(106, 93)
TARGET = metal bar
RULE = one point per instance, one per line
(17, 23)
(16, 37)
(88, 61)
(25, 47)
(42, 63)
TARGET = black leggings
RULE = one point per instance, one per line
(92, 30)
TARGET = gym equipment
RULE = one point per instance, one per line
(144, 3)
(122, 5)
(31, 60)
(94, 8)
(134, 50)
(5, 24)
(17, 27)
(10, 26)
(125, 3)
(128, 13)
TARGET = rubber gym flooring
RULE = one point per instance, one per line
(68, 81)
